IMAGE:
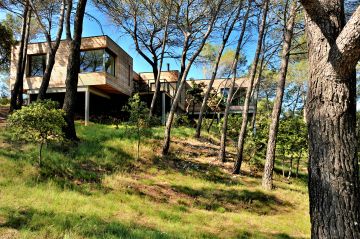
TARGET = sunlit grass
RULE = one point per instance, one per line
(98, 189)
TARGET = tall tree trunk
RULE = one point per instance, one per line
(290, 168)
(72, 74)
(297, 165)
(241, 140)
(69, 4)
(19, 70)
(267, 182)
(20, 99)
(183, 74)
(222, 151)
(216, 66)
(256, 93)
(334, 50)
(211, 123)
(157, 77)
(51, 49)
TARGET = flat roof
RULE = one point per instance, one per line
(62, 40)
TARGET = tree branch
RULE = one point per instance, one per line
(345, 53)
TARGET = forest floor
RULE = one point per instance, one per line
(99, 189)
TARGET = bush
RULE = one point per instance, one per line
(139, 117)
(183, 120)
(4, 101)
(41, 122)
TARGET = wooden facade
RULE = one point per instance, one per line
(120, 83)
(115, 86)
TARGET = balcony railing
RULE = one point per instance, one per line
(147, 86)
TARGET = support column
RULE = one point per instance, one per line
(163, 108)
(87, 105)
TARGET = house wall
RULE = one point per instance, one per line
(225, 83)
(171, 77)
(120, 83)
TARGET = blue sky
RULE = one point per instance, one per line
(92, 28)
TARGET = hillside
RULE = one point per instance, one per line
(98, 189)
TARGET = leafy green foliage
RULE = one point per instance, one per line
(208, 58)
(139, 117)
(194, 95)
(41, 122)
(6, 42)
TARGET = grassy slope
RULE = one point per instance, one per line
(99, 190)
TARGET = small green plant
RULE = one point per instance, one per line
(182, 120)
(4, 101)
(41, 122)
(139, 117)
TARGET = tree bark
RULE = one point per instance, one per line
(297, 165)
(214, 72)
(222, 151)
(20, 100)
(334, 50)
(240, 146)
(69, 4)
(19, 71)
(267, 182)
(256, 93)
(157, 79)
(51, 49)
(72, 74)
(183, 74)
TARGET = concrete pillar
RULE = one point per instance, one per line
(163, 108)
(87, 105)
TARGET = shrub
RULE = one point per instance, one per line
(4, 101)
(139, 117)
(41, 122)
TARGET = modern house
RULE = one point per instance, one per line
(221, 87)
(106, 78)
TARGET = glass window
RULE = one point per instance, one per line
(109, 63)
(239, 97)
(97, 61)
(37, 64)
(225, 92)
(92, 61)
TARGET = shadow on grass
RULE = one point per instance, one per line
(196, 169)
(80, 166)
(46, 224)
(260, 235)
(39, 222)
(234, 200)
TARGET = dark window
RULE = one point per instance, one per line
(225, 92)
(109, 63)
(97, 61)
(37, 64)
(239, 97)
(129, 76)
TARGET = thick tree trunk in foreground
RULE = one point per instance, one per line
(51, 50)
(216, 66)
(20, 99)
(267, 182)
(334, 50)
(222, 151)
(72, 74)
(241, 140)
(19, 69)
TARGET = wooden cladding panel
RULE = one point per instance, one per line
(123, 66)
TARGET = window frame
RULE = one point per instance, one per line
(104, 52)
(29, 64)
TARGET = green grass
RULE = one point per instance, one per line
(98, 189)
